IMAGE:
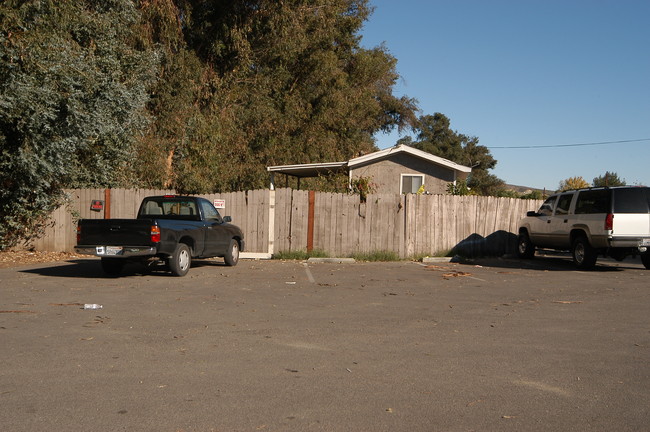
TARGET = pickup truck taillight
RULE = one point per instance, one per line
(155, 234)
(78, 234)
(609, 222)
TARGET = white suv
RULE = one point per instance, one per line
(605, 221)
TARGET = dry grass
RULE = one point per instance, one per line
(20, 258)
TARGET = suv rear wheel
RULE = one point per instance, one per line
(584, 256)
(525, 249)
(645, 259)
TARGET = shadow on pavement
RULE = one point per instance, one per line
(92, 269)
(554, 262)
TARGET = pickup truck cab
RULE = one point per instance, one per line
(168, 229)
(589, 222)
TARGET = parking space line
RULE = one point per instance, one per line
(309, 275)
(478, 279)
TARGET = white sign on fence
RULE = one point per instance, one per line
(220, 203)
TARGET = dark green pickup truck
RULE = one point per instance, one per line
(169, 229)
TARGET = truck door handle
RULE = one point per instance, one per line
(548, 221)
(566, 220)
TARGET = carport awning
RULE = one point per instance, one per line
(307, 170)
(310, 170)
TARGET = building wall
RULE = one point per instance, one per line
(386, 173)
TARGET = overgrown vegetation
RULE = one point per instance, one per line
(194, 95)
(72, 103)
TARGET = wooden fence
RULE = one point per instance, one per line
(339, 224)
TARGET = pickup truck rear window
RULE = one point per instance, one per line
(169, 208)
(632, 200)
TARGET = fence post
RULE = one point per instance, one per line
(107, 203)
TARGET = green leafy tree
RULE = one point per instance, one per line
(72, 99)
(608, 179)
(534, 195)
(287, 82)
(434, 135)
(573, 183)
(459, 188)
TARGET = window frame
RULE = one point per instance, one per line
(401, 182)
(560, 211)
(548, 207)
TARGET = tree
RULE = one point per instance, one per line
(608, 179)
(573, 183)
(196, 95)
(460, 188)
(435, 136)
(534, 195)
(281, 83)
(72, 100)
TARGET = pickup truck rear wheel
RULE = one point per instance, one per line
(232, 256)
(525, 248)
(180, 261)
(584, 256)
(645, 259)
(112, 266)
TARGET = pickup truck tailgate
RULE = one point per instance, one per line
(115, 232)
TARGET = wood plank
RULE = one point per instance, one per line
(352, 215)
(400, 226)
(300, 207)
(282, 219)
(320, 207)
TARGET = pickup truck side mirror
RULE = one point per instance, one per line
(532, 213)
(227, 219)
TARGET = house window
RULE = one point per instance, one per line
(411, 183)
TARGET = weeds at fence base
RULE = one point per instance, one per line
(300, 255)
(378, 256)
(439, 254)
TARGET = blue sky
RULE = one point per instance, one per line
(529, 73)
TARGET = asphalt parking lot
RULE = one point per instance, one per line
(490, 345)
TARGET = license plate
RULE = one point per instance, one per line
(109, 250)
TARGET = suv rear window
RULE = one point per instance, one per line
(593, 201)
(631, 200)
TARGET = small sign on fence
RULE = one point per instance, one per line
(96, 205)
(220, 203)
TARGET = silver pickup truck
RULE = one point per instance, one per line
(604, 221)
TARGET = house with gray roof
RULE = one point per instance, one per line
(395, 170)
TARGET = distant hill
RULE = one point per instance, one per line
(527, 189)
